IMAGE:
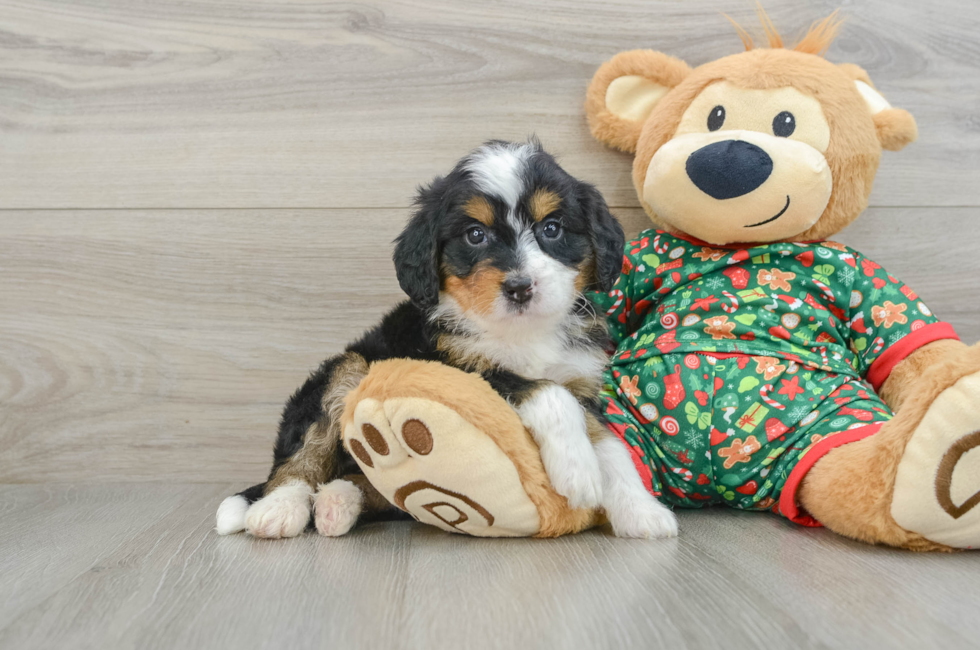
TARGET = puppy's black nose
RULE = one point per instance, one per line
(730, 168)
(518, 290)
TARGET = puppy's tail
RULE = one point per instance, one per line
(231, 513)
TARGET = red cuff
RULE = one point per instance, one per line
(883, 365)
(787, 499)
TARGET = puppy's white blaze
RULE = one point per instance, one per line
(557, 424)
(499, 170)
(336, 507)
(282, 513)
(631, 510)
(231, 515)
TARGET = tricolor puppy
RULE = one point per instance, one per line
(496, 261)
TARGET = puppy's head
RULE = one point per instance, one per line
(508, 234)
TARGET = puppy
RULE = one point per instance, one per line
(496, 260)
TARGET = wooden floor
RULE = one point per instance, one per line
(197, 201)
(138, 566)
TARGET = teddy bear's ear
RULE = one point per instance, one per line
(895, 127)
(623, 92)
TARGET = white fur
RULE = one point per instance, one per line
(631, 510)
(282, 513)
(336, 507)
(231, 515)
(557, 423)
(497, 170)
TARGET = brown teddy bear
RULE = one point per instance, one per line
(749, 344)
(759, 364)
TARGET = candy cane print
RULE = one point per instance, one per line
(619, 300)
(879, 344)
(659, 248)
(823, 355)
(731, 308)
(684, 472)
(826, 290)
(764, 393)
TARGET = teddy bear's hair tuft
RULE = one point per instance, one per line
(817, 39)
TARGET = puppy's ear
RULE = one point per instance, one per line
(416, 250)
(608, 240)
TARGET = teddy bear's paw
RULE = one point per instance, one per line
(336, 507)
(937, 485)
(431, 462)
(284, 512)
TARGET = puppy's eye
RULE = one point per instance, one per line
(476, 236)
(784, 124)
(716, 118)
(551, 230)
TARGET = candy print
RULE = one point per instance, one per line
(669, 425)
(828, 315)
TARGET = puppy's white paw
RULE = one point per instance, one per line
(283, 513)
(336, 507)
(557, 422)
(643, 519)
(574, 475)
(230, 517)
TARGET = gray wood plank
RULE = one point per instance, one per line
(285, 103)
(161, 345)
(733, 580)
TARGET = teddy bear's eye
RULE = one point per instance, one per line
(716, 118)
(784, 124)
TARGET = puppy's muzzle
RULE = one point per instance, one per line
(730, 168)
(519, 290)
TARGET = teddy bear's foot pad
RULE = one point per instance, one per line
(937, 486)
(432, 463)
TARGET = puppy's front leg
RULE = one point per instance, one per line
(557, 423)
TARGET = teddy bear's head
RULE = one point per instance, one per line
(767, 145)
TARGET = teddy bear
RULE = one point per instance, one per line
(759, 364)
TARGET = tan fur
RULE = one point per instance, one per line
(459, 355)
(852, 155)
(896, 128)
(656, 66)
(473, 398)
(816, 40)
(373, 500)
(315, 462)
(543, 203)
(480, 209)
(850, 489)
(478, 290)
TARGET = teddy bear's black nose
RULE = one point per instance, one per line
(730, 168)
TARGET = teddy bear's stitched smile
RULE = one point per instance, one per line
(771, 219)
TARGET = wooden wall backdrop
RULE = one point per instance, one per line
(197, 199)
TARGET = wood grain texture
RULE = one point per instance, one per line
(162, 344)
(731, 580)
(298, 103)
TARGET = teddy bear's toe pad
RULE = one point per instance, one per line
(937, 486)
(432, 463)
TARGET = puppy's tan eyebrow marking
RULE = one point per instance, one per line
(543, 203)
(480, 209)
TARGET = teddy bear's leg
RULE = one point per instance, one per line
(915, 483)
(442, 445)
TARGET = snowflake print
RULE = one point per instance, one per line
(847, 276)
(715, 283)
